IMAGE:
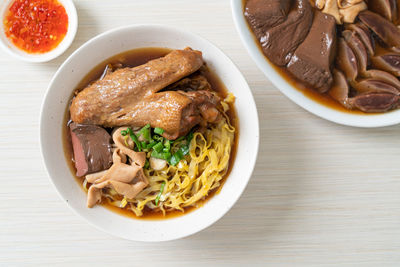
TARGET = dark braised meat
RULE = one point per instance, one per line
(312, 60)
(375, 102)
(280, 42)
(362, 32)
(370, 74)
(358, 48)
(340, 89)
(385, 8)
(132, 97)
(346, 60)
(265, 14)
(92, 148)
(388, 62)
(383, 28)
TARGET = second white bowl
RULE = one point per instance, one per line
(345, 118)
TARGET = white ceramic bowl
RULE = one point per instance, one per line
(86, 58)
(345, 118)
(11, 49)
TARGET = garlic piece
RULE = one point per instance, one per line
(157, 164)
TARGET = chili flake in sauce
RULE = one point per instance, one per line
(36, 26)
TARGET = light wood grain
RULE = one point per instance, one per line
(321, 193)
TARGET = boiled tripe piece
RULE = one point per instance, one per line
(130, 96)
(125, 176)
(344, 11)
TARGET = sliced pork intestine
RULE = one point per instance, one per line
(125, 175)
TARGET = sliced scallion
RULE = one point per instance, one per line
(143, 144)
(167, 145)
(189, 137)
(135, 139)
(158, 138)
(151, 145)
(156, 154)
(159, 130)
(161, 155)
(158, 147)
(160, 193)
(174, 159)
(184, 149)
(145, 132)
(167, 156)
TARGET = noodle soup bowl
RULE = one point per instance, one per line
(80, 63)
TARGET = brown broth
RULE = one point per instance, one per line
(134, 58)
(321, 98)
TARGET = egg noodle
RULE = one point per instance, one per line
(191, 180)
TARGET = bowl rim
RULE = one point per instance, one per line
(320, 110)
(73, 22)
(82, 214)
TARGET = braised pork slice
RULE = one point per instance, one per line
(280, 42)
(131, 97)
(265, 14)
(312, 60)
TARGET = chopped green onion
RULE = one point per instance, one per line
(156, 155)
(145, 132)
(167, 156)
(165, 150)
(184, 149)
(179, 153)
(160, 193)
(174, 159)
(143, 144)
(178, 156)
(151, 144)
(135, 139)
(123, 133)
(146, 164)
(189, 137)
(158, 130)
(161, 155)
(158, 138)
(158, 147)
(167, 145)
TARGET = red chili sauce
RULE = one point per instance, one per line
(36, 26)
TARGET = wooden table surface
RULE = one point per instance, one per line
(321, 193)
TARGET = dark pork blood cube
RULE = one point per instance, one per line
(92, 148)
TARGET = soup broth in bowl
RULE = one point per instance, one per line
(181, 180)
